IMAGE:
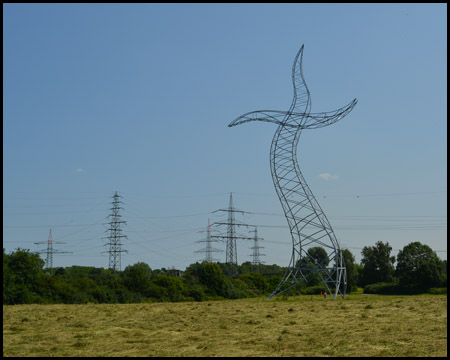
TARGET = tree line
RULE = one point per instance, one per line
(418, 270)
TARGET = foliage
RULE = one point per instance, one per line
(314, 290)
(380, 288)
(378, 264)
(257, 284)
(352, 272)
(20, 273)
(317, 257)
(438, 291)
(26, 282)
(211, 276)
(419, 266)
(137, 278)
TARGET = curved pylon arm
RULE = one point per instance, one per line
(318, 120)
(272, 116)
(292, 119)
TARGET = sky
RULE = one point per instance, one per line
(136, 98)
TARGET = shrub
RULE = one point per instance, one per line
(211, 276)
(392, 289)
(380, 288)
(438, 291)
(168, 288)
(256, 283)
(234, 289)
(313, 290)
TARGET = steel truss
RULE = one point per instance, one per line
(308, 225)
(115, 234)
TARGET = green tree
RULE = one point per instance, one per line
(316, 257)
(22, 271)
(256, 283)
(167, 288)
(211, 275)
(137, 278)
(358, 270)
(8, 281)
(352, 275)
(378, 264)
(419, 266)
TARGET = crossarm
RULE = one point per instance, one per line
(318, 120)
(294, 119)
(272, 116)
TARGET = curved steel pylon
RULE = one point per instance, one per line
(307, 222)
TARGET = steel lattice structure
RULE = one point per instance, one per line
(115, 234)
(256, 254)
(50, 251)
(231, 237)
(307, 222)
(208, 250)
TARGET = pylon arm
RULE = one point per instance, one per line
(318, 120)
(313, 120)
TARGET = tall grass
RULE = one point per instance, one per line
(360, 325)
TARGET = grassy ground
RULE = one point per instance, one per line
(360, 325)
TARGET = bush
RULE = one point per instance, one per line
(438, 291)
(256, 283)
(418, 265)
(234, 289)
(167, 288)
(195, 292)
(211, 276)
(313, 290)
(378, 288)
(137, 278)
(392, 289)
(355, 289)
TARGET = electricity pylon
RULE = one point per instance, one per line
(115, 234)
(231, 237)
(50, 251)
(307, 222)
(256, 254)
(208, 250)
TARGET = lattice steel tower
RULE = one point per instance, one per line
(208, 250)
(256, 254)
(115, 234)
(50, 251)
(307, 222)
(231, 237)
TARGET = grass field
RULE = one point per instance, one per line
(360, 325)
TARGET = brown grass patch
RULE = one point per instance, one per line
(360, 325)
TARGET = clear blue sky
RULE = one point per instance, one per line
(136, 98)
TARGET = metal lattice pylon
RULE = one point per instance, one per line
(307, 222)
(208, 250)
(231, 237)
(115, 234)
(50, 251)
(256, 260)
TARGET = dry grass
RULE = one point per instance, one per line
(301, 326)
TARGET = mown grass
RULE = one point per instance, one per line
(360, 325)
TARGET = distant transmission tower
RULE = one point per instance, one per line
(256, 254)
(50, 251)
(208, 250)
(231, 237)
(115, 234)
